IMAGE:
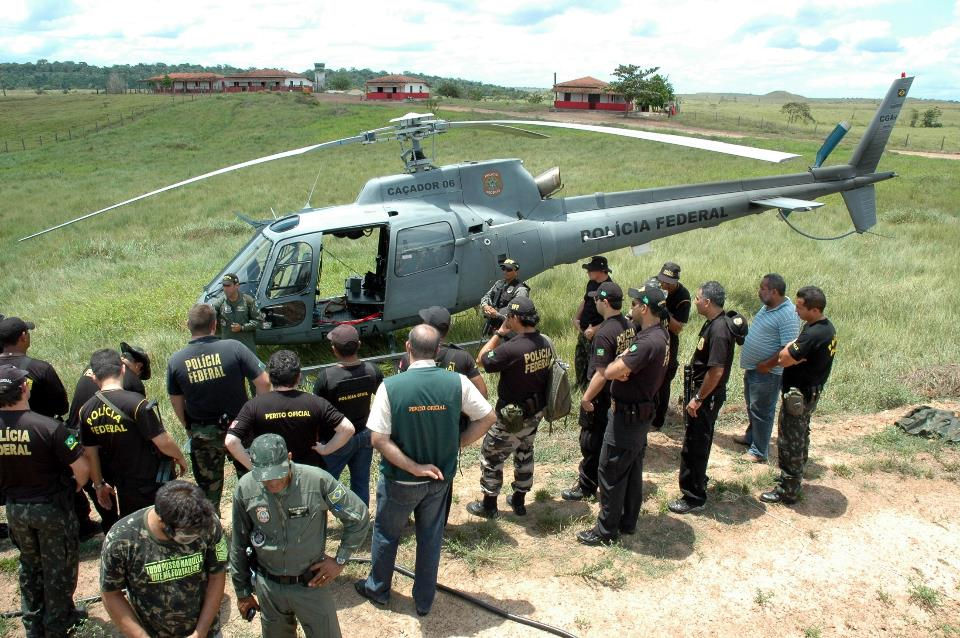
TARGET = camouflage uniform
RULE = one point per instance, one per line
(581, 360)
(243, 311)
(165, 582)
(499, 295)
(793, 443)
(46, 535)
(206, 458)
(498, 444)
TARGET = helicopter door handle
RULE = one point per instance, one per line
(456, 267)
(609, 234)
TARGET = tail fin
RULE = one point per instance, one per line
(867, 155)
(862, 204)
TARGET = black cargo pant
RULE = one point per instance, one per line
(592, 426)
(621, 477)
(697, 441)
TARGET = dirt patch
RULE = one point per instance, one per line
(950, 156)
(871, 550)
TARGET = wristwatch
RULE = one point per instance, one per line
(342, 560)
(97, 486)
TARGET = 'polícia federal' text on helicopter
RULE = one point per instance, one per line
(441, 232)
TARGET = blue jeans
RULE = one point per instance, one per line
(395, 502)
(356, 454)
(761, 392)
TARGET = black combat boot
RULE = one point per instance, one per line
(515, 501)
(485, 509)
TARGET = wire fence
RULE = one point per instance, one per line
(33, 141)
(916, 138)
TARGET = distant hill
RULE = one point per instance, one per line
(779, 97)
(44, 74)
(784, 96)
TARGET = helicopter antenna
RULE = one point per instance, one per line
(273, 212)
(313, 188)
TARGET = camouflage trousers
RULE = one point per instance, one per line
(206, 456)
(498, 445)
(793, 446)
(581, 361)
(46, 535)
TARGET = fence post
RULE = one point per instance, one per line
(121, 118)
(23, 144)
(70, 133)
(906, 141)
(942, 140)
(6, 147)
(97, 125)
(761, 121)
(815, 128)
(738, 120)
(41, 140)
(56, 137)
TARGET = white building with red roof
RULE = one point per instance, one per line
(588, 93)
(397, 87)
(186, 83)
(266, 80)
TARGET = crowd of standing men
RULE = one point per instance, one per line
(165, 556)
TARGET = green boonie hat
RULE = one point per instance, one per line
(269, 455)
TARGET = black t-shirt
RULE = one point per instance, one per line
(349, 389)
(301, 418)
(48, 397)
(524, 367)
(87, 387)
(450, 357)
(814, 348)
(127, 452)
(611, 338)
(35, 452)
(589, 316)
(209, 374)
(714, 348)
(647, 360)
(678, 305)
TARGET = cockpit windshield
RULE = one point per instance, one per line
(249, 263)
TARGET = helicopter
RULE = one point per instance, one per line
(436, 235)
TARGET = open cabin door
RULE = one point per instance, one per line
(287, 289)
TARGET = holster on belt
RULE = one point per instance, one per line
(793, 401)
(511, 417)
(635, 413)
(688, 391)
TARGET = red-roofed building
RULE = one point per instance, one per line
(397, 87)
(266, 80)
(187, 83)
(588, 93)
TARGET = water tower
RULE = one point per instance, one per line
(319, 76)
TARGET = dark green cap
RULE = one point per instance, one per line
(269, 455)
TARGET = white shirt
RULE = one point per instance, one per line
(472, 402)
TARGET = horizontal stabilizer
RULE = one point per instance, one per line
(787, 203)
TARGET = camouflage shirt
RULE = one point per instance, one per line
(242, 311)
(165, 581)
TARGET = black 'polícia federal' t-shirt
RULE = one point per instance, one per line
(125, 441)
(714, 348)
(524, 367)
(35, 454)
(814, 348)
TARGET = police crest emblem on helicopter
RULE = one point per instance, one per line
(492, 183)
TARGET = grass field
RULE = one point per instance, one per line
(132, 274)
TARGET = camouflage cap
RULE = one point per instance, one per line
(269, 455)
(509, 264)
(230, 278)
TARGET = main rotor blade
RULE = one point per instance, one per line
(366, 137)
(678, 140)
(500, 128)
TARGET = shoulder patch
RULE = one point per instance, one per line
(633, 348)
(221, 549)
(490, 355)
(600, 352)
(71, 442)
(701, 343)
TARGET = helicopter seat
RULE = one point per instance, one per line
(362, 301)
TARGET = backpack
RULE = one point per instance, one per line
(559, 402)
(737, 324)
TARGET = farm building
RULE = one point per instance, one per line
(397, 87)
(186, 83)
(266, 80)
(588, 93)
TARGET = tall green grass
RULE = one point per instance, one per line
(133, 273)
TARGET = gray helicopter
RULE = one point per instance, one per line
(436, 235)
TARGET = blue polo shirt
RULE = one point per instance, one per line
(770, 331)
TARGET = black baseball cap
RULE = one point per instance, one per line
(521, 306)
(609, 291)
(436, 316)
(11, 378)
(139, 355)
(597, 262)
(343, 334)
(650, 295)
(669, 273)
(12, 327)
(509, 264)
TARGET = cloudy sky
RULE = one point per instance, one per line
(818, 48)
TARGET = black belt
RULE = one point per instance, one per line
(300, 579)
(620, 406)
